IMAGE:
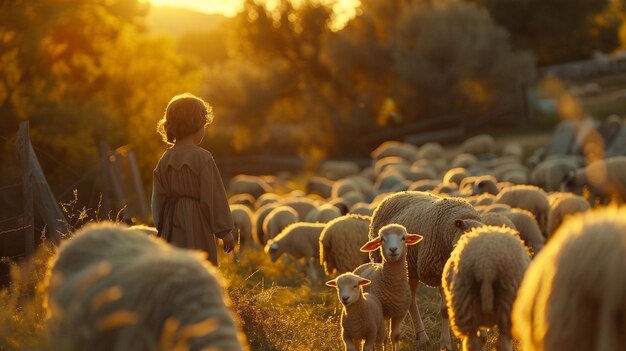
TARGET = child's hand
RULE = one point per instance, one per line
(229, 242)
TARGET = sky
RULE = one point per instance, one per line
(344, 8)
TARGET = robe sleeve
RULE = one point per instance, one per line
(214, 201)
(154, 207)
(157, 196)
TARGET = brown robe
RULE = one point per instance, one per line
(202, 213)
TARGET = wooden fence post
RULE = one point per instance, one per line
(141, 195)
(23, 145)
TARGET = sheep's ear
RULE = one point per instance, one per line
(364, 282)
(332, 283)
(412, 239)
(371, 245)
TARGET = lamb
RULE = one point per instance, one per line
(606, 180)
(562, 205)
(279, 218)
(340, 242)
(441, 221)
(530, 198)
(111, 288)
(246, 184)
(573, 296)
(389, 279)
(299, 240)
(362, 315)
(242, 218)
(480, 281)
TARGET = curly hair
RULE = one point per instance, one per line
(185, 114)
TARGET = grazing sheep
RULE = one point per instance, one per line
(605, 179)
(441, 221)
(549, 173)
(431, 151)
(562, 205)
(389, 279)
(415, 173)
(246, 184)
(513, 149)
(528, 197)
(242, 218)
(116, 289)
(242, 199)
(573, 296)
(343, 186)
(497, 220)
(476, 185)
(466, 161)
(390, 181)
(259, 218)
(481, 200)
(265, 199)
(278, 219)
(299, 240)
(480, 281)
(388, 162)
(406, 151)
(323, 214)
(320, 186)
(363, 209)
(362, 316)
(527, 227)
(301, 205)
(455, 175)
(340, 242)
(478, 145)
(424, 185)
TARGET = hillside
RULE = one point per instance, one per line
(177, 21)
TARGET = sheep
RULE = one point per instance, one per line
(242, 199)
(362, 316)
(549, 173)
(323, 214)
(320, 186)
(497, 220)
(363, 209)
(564, 204)
(606, 180)
(301, 205)
(278, 218)
(431, 151)
(415, 173)
(466, 161)
(144, 228)
(111, 288)
(476, 185)
(528, 197)
(299, 240)
(246, 184)
(481, 200)
(513, 149)
(338, 169)
(406, 151)
(441, 221)
(390, 181)
(527, 227)
(389, 278)
(342, 187)
(266, 199)
(478, 145)
(259, 217)
(242, 218)
(480, 281)
(387, 162)
(511, 171)
(455, 175)
(423, 185)
(573, 296)
(340, 242)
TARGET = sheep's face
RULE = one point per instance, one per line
(392, 240)
(273, 249)
(485, 186)
(349, 287)
(568, 184)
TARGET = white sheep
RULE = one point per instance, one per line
(573, 296)
(116, 289)
(301, 205)
(247, 184)
(441, 221)
(527, 227)
(480, 281)
(455, 175)
(242, 219)
(320, 186)
(242, 199)
(363, 209)
(340, 242)
(407, 151)
(390, 282)
(259, 217)
(277, 220)
(562, 205)
(323, 214)
(299, 240)
(528, 197)
(605, 180)
(362, 321)
(549, 173)
(478, 145)
(338, 169)
(266, 199)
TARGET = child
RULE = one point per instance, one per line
(189, 203)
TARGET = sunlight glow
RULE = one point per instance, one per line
(344, 9)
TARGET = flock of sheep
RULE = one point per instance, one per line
(507, 243)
